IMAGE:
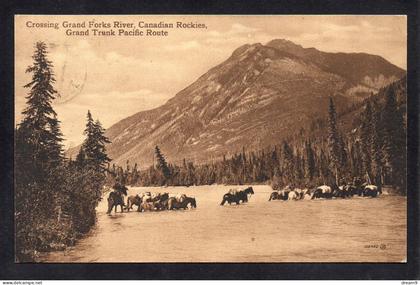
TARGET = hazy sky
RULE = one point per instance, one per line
(116, 77)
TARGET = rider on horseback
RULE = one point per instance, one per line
(120, 190)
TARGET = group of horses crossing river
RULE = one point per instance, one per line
(149, 201)
(326, 192)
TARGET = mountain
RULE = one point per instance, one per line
(258, 96)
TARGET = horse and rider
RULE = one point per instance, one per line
(116, 197)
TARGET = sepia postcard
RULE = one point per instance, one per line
(210, 138)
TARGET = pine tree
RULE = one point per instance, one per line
(310, 161)
(89, 144)
(288, 163)
(95, 145)
(366, 130)
(333, 139)
(161, 165)
(135, 176)
(39, 136)
(357, 159)
(343, 154)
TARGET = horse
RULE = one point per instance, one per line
(358, 186)
(299, 193)
(174, 204)
(349, 190)
(293, 195)
(147, 206)
(162, 205)
(338, 192)
(133, 200)
(160, 197)
(279, 195)
(370, 191)
(161, 201)
(274, 196)
(237, 197)
(115, 198)
(322, 191)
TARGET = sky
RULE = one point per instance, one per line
(117, 76)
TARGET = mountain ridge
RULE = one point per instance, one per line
(255, 97)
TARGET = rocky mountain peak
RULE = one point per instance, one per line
(258, 96)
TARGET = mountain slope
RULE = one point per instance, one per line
(259, 95)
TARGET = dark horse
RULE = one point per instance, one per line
(237, 196)
(161, 202)
(116, 198)
(280, 195)
(174, 204)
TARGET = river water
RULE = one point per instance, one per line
(351, 230)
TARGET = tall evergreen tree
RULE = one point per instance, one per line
(161, 165)
(310, 161)
(343, 154)
(288, 163)
(333, 139)
(94, 145)
(39, 135)
(366, 131)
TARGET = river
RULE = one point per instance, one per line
(350, 230)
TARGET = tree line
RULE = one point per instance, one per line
(374, 150)
(55, 198)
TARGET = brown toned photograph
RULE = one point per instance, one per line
(217, 138)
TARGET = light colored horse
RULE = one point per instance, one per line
(325, 189)
(299, 192)
(293, 195)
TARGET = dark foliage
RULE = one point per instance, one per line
(55, 199)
